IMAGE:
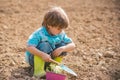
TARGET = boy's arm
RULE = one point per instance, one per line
(39, 53)
(66, 48)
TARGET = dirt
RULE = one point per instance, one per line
(94, 27)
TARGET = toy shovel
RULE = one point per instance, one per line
(64, 67)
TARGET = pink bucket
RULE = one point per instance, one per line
(54, 76)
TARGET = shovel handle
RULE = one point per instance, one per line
(55, 62)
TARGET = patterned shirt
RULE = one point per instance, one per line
(41, 35)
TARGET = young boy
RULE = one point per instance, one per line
(49, 41)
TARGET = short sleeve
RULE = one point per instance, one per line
(66, 39)
(34, 39)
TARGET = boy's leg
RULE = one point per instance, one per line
(31, 60)
(60, 57)
(39, 64)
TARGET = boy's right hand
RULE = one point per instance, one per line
(46, 57)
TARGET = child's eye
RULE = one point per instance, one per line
(59, 29)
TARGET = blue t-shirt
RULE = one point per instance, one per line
(41, 35)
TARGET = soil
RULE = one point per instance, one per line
(94, 27)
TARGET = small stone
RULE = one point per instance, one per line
(12, 63)
(108, 54)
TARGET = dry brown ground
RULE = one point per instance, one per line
(94, 27)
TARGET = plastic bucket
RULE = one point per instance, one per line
(54, 76)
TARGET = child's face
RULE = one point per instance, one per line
(54, 30)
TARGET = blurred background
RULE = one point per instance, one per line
(94, 27)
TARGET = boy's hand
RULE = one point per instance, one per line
(46, 57)
(58, 51)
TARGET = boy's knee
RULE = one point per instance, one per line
(61, 44)
(45, 47)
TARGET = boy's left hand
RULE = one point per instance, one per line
(58, 51)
